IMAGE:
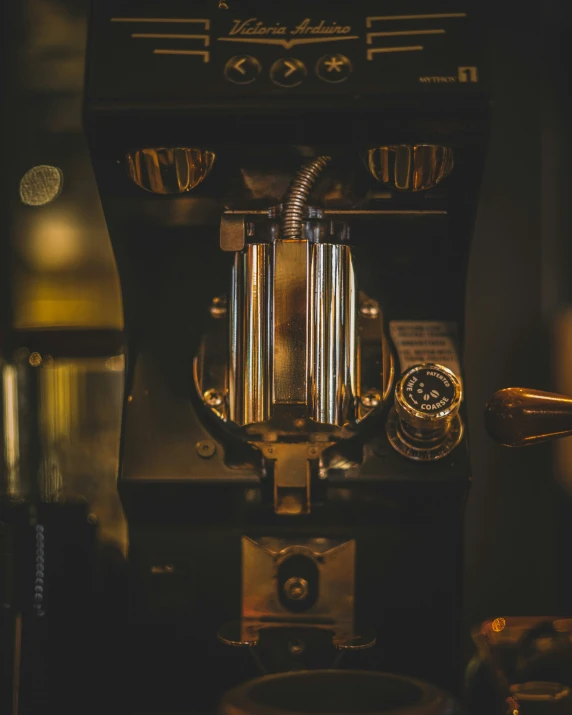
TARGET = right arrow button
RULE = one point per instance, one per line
(288, 72)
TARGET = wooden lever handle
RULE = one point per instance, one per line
(518, 416)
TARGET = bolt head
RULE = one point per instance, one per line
(218, 307)
(369, 309)
(213, 398)
(206, 448)
(370, 399)
(296, 588)
(35, 359)
(296, 646)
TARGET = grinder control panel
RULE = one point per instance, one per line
(196, 52)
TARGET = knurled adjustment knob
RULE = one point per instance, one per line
(424, 423)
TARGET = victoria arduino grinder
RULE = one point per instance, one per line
(289, 190)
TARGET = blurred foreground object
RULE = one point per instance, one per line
(523, 666)
(343, 691)
(518, 416)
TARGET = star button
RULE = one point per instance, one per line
(334, 64)
(333, 68)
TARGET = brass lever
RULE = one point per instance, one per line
(517, 416)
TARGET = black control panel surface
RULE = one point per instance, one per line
(196, 52)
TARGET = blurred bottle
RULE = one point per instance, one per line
(523, 666)
(63, 395)
(539, 698)
(62, 401)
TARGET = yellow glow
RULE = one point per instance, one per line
(115, 363)
(563, 625)
(80, 428)
(11, 432)
(75, 300)
(498, 625)
(56, 241)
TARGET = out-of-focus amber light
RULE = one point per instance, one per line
(498, 625)
(115, 363)
(55, 242)
(563, 625)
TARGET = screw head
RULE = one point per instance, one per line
(206, 448)
(296, 588)
(35, 359)
(369, 309)
(296, 646)
(213, 398)
(370, 399)
(218, 307)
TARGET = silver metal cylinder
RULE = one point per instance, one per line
(332, 354)
(290, 344)
(250, 365)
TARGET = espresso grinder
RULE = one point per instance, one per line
(289, 190)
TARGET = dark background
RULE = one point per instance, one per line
(519, 288)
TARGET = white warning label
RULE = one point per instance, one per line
(418, 341)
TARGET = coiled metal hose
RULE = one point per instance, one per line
(297, 197)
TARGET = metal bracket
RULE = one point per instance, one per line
(292, 473)
(331, 609)
(232, 232)
(244, 633)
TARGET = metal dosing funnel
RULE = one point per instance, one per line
(406, 167)
(169, 171)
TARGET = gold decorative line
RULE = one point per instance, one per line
(205, 55)
(411, 48)
(202, 21)
(371, 35)
(432, 16)
(206, 39)
(288, 44)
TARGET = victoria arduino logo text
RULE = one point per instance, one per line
(253, 27)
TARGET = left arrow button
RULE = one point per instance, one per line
(242, 69)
